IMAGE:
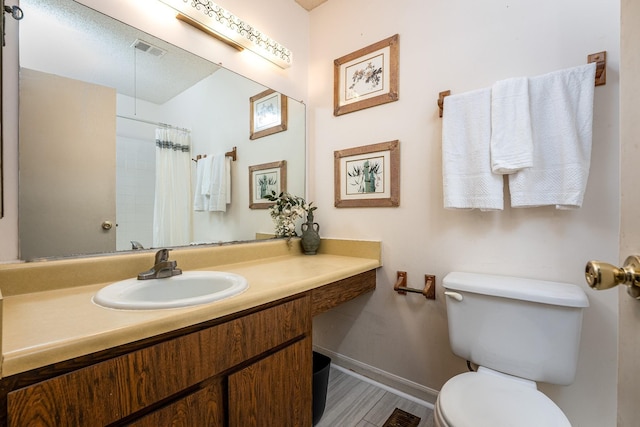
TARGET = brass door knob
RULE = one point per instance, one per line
(601, 275)
(107, 225)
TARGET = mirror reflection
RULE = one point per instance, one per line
(111, 122)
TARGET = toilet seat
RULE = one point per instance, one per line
(477, 399)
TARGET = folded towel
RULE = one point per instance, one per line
(511, 138)
(466, 168)
(213, 184)
(203, 183)
(218, 184)
(561, 105)
(206, 166)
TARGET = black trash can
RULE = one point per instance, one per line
(321, 365)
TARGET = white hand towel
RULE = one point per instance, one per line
(218, 188)
(561, 105)
(206, 167)
(203, 177)
(511, 138)
(466, 168)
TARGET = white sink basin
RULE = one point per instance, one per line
(187, 289)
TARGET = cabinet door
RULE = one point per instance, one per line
(205, 407)
(108, 391)
(275, 390)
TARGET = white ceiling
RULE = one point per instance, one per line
(83, 44)
(71, 40)
(310, 4)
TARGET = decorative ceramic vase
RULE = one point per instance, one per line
(310, 237)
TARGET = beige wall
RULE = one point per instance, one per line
(629, 343)
(463, 45)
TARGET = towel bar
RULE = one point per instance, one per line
(441, 97)
(233, 154)
(599, 58)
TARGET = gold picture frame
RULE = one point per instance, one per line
(268, 114)
(367, 77)
(263, 179)
(368, 176)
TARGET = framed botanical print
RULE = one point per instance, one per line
(367, 77)
(268, 114)
(263, 179)
(368, 176)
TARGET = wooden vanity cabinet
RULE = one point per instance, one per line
(252, 368)
(241, 372)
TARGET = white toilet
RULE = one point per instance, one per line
(518, 331)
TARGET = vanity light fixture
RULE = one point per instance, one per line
(218, 22)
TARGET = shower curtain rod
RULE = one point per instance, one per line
(149, 122)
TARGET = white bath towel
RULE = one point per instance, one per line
(511, 137)
(213, 184)
(561, 105)
(207, 175)
(217, 191)
(466, 168)
(203, 179)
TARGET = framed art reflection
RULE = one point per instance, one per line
(268, 114)
(263, 179)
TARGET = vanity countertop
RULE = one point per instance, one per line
(57, 323)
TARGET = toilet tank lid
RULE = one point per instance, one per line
(555, 293)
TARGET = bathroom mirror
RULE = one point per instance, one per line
(93, 92)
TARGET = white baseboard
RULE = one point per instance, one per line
(394, 384)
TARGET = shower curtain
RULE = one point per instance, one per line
(172, 207)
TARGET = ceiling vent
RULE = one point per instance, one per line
(148, 48)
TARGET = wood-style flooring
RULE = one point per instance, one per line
(354, 402)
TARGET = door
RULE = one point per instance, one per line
(629, 314)
(67, 166)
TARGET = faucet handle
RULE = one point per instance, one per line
(162, 267)
(162, 255)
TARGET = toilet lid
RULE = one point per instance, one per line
(484, 400)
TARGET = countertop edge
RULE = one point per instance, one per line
(32, 357)
(29, 277)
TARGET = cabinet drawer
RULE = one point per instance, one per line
(108, 391)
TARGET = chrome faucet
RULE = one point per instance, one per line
(162, 268)
(135, 245)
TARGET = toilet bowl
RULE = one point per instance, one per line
(485, 399)
(519, 332)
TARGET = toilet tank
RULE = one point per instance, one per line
(522, 327)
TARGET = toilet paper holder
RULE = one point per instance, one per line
(601, 275)
(429, 291)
